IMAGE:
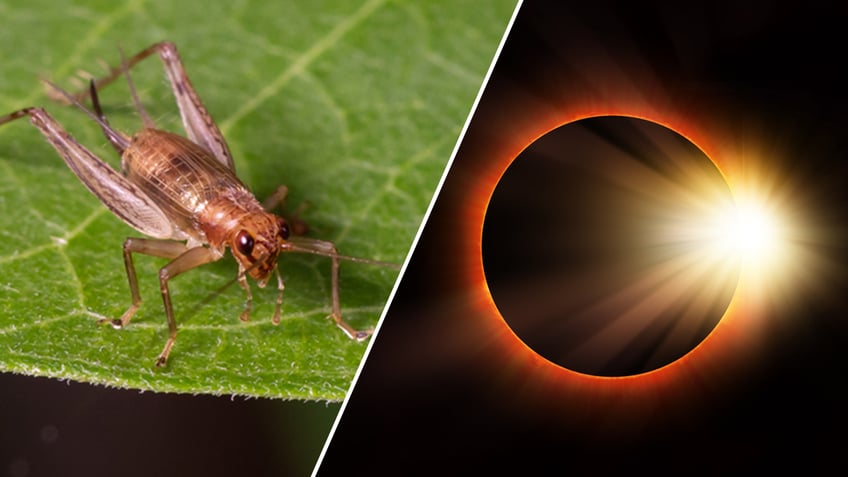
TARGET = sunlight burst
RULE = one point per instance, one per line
(750, 232)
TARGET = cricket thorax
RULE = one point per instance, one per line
(255, 237)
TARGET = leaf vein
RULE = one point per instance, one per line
(301, 63)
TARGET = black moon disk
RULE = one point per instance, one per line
(582, 249)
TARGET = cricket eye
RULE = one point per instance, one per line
(244, 243)
(284, 229)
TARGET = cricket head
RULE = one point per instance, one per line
(257, 242)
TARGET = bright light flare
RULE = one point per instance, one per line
(749, 231)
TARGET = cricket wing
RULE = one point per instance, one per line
(117, 193)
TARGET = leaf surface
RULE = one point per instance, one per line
(354, 106)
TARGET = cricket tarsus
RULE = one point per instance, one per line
(183, 194)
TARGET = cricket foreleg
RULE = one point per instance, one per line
(248, 302)
(242, 281)
(280, 286)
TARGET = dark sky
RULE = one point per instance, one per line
(439, 394)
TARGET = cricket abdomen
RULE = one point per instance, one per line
(181, 177)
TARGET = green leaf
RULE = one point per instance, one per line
(354, 106)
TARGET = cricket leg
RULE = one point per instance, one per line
(277, 199)
(328, 249)
(155, 248)
(198, 123)
(191, 258)
(242, 281)
(122, 197)
(280, 286)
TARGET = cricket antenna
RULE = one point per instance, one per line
(305, 245)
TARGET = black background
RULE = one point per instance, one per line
(428, 399)
(55, 428)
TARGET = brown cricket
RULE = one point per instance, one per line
(184, 193)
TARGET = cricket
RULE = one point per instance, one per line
(184, 195)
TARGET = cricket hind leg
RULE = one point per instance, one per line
(19, 114)
(198, 123)
(122, 197)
